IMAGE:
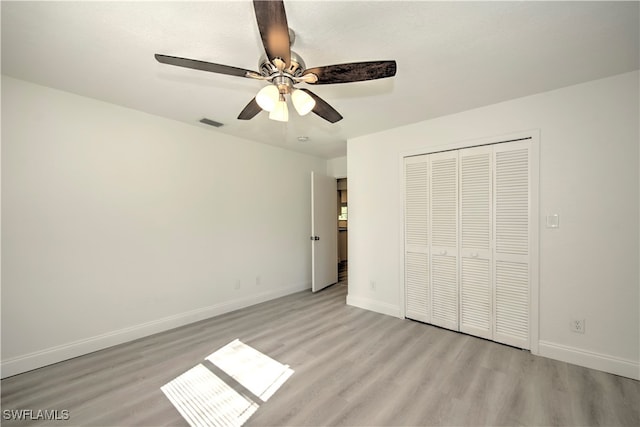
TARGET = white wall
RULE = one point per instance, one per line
(117, 224)
(589, 162)
(337, 167)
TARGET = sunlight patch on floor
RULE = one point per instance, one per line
(258, 373)
(204, 399)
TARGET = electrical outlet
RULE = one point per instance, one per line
(257, 280)
(372, 285)
(238, 284)
(577, 326)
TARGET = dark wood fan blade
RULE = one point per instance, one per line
(250, 110)
(323, 109)
(274, 30)
(205, 66)
(353, 72)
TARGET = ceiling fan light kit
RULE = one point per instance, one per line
(302, 101)
(268, 97)
(280, 112)
(283, 69)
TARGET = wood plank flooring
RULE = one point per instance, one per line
(352, 367)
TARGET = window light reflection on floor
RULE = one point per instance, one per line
(203, 399)
(258, 373)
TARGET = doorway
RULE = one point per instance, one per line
(343, 230)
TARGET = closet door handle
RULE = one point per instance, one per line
(443, 252)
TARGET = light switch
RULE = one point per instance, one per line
(553, 221)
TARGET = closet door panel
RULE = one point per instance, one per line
(512, 200)
(443, 190)
(416, 213)
(476, 302)
(417, 286)
(512, 303)
(444, 300)
(476, 316)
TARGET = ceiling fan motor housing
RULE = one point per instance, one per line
(295, 69)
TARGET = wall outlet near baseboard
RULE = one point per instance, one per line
(577, 326)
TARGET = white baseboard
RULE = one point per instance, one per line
(602, 362)
(48, 356)
(372, 305)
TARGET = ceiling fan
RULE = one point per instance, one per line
(283, 69)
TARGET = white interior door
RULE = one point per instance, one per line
(416, 243)
(444, 239)
(469, 217)
(512, 196)
(324, 232)
(476, 290)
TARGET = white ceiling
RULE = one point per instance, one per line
(451, 56)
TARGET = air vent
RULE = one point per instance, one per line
(211, 122)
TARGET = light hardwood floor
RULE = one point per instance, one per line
(352, 367)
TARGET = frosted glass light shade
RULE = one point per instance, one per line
(302, 102)
(280, 112)
(267, 97)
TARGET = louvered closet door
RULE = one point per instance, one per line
(416, 215)
(476, 302)
(511, 253)
(444, 238)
